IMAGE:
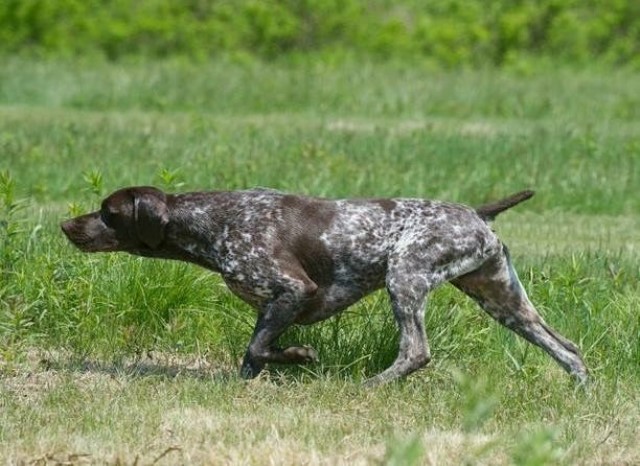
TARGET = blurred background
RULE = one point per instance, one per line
(445, 33)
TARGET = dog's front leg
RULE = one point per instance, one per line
(273, 320)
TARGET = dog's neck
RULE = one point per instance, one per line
(189, 230)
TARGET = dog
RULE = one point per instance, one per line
(301, 260)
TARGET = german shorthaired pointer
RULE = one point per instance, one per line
(300, 260)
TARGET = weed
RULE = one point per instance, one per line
(11, 225)
(537, 448)
(404, 453)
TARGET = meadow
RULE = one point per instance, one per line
(122, 360)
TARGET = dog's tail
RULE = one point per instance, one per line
(489, 212)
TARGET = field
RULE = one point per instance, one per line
(122, 360)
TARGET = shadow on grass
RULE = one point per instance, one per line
(168, 366)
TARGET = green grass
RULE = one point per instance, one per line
(121, 359)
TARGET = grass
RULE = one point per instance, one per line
(116, 359)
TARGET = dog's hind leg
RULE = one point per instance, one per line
(408, 296)
(417, 268)
(496, 288)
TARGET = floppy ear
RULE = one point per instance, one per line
(150, 215)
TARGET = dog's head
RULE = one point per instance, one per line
(130, 219)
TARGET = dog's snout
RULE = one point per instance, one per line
(66, 226)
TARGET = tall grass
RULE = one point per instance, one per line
(65, 144)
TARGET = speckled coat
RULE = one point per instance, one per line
(299, 260)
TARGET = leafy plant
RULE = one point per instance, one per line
(537, 448)
(170, 179)
(11, 225)
(478, 401)
(94, 181)
(404, 453)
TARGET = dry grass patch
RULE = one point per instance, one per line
(56, 409)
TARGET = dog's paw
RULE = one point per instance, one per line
(310, 354)
(374, 382)
(300, 354)
(250, 368)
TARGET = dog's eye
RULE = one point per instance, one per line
(106, 217)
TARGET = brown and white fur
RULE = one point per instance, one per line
(300, 260)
